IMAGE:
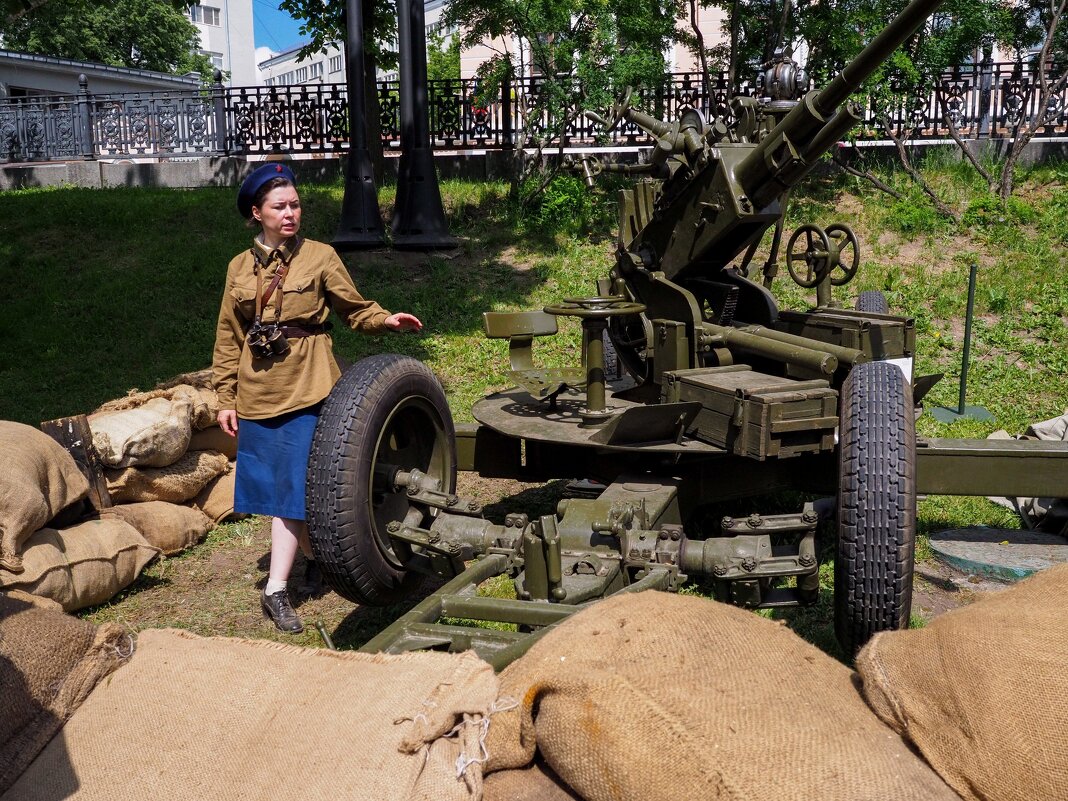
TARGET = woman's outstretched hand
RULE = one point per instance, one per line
(402, 321)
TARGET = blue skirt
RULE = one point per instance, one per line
(272, 463)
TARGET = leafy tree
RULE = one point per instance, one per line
(583, 53)
(147, 34)
(1038, 26)
(323, 24)
(443, 58)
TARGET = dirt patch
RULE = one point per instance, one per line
(520, 263)
(938, 588)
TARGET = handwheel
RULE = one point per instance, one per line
(386, 414)
(873, 566)
(596, 307)
(847, 249)
(809, 266)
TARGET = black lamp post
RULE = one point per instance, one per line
(419, 218)
(360, 226)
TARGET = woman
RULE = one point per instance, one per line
(273, 364)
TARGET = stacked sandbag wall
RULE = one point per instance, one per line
(169, 472)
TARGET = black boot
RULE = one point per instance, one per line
(311, 586)
(277, 608)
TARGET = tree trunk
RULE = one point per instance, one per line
(1046, 91)
(906, 162)
(732, 65)
(706, 81)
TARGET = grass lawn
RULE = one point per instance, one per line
(107, 290)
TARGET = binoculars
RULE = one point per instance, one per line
(265, 341)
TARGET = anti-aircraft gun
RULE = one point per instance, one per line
(724, 398)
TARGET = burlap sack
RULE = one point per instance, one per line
(34, 600)
(221, 719)
(982, 691)
(83, 565)
(38, 481)
(168, 526)
(176, 483)
(214, 439)
(154, 434)
(658, 696)
(49, 663)
(535, 782)
(205, 400)
(216, 500)
(196, 387)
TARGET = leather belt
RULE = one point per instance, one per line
(291, 331)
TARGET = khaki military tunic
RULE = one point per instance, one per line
(317, 282)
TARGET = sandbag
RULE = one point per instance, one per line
(168, 526)
(658, 696)
(1043, 514)
(206, 402)
(175, 483)
(535, 782)
(214, 718)
(33, 600)
(154, 434)
(195, 387)
(214, 439)
(83, 565)
(216, 500)
(982, 691)
(39, 480)
(49, 663)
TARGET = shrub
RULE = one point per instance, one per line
(988, 211)
(913, 216)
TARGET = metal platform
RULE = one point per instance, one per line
(515, 413)
(1004, 554)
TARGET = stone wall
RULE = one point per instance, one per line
(228, 171)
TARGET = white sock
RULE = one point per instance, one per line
(274, 586)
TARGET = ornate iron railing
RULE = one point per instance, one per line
(986, 100)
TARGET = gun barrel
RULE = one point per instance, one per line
(876, 52)
(812, 358)
(793, 146)
(844, 355)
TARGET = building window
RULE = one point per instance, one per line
(316, 70)
(216, 59)
(206, 15)
(302, 75)
(337, 63)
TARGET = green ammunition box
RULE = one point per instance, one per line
(757, 415)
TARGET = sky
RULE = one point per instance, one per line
(272, 28)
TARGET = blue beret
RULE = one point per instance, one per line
(255, 181)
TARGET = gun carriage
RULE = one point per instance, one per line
(695, 388)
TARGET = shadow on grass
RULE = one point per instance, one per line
(136, 301)
(364, 623)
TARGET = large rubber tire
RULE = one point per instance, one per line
(876, 505)
(613, 369)
(872, 300)
(385, 410)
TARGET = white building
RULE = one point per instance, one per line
(25, 74)
(226, 37)
(284, 69)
